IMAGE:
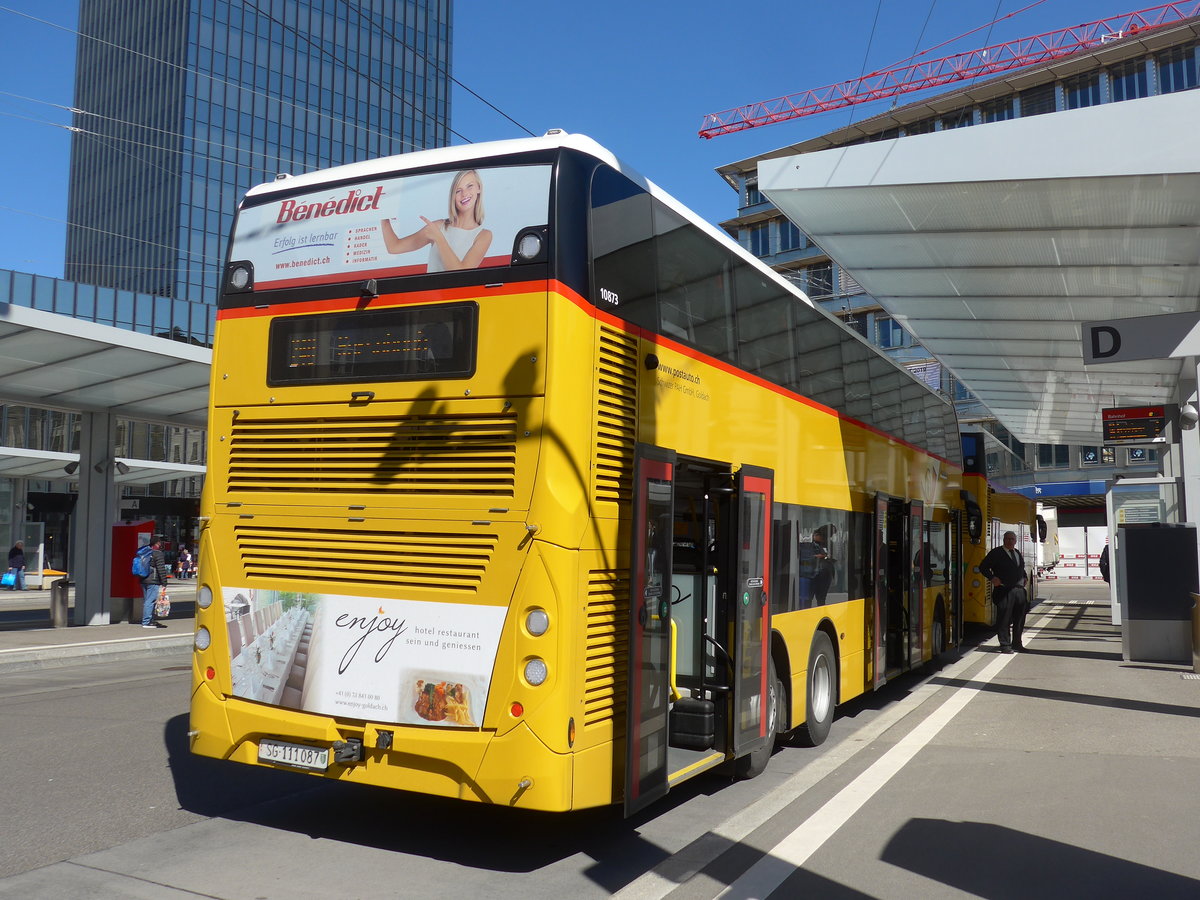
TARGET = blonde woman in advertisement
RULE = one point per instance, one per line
(457, 242)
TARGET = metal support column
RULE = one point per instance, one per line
(1188, 436)
(91, 545)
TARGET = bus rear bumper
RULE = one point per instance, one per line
(516, 769)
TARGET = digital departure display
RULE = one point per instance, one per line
(378, 345)
(1134, 423)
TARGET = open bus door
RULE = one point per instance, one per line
(915, 602)
(880, 623)
(955, 563)
(649, 627)
(899, 582)
(750, 609)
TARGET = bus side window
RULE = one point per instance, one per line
(622, 248)
(694, 286)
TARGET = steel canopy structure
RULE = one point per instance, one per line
(51, 465)
(992, 245)
(102, 373)
(53, 360)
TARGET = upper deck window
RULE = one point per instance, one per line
(388, 227)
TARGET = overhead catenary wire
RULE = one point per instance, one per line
(867, 52)
(213, 78)
(355, 8)
(267, 157)
(270, 97)
(264, 156)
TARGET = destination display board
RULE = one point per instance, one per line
(1134, 424)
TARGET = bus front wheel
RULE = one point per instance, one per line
(820, 692)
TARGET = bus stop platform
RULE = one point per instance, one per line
(1061, 771)
(27, 639)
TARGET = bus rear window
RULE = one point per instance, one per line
(420, 342)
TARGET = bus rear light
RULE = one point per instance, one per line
(517, 710)
(203, 638)
(210, 673)
(239, 276)
(530, 245)
(537, 622)
(536, 671)
(204, 597)
(571, 732)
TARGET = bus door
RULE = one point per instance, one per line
(649, 627)
(915, 606)
(750, 608)
(954, 563)
(895, 597)
(881, 591)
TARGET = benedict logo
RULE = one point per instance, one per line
(355, 201)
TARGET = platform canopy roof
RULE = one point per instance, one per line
(993, 244)
(64, 363)
(52, 465)
(61, 362)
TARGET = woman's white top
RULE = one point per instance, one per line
(460, 241)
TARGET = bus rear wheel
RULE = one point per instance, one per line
(820, 693)
(937, 632)
(754, 763)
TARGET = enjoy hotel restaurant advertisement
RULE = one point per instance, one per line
(400, 661)
(463, 219)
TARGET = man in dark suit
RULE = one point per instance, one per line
(1004, 566)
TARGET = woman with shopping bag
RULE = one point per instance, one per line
(14, 578)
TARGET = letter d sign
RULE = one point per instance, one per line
(1099, 335)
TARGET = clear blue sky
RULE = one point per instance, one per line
(636, 75)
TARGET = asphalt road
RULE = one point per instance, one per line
(97, 772)
(990, 776)
(95, 756)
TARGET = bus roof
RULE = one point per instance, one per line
(441, 156)
(551, 140)
(466, 153)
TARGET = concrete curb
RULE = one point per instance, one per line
(57, 656)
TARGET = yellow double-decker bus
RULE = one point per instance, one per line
(990, 512)
(528, 487)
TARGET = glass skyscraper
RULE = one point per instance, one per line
(185, 104)
(182, 106)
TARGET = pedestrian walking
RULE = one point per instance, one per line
(16, 565)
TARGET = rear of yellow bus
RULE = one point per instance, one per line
(391, 524)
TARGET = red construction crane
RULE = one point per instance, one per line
(919, 76)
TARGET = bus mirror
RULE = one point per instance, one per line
(1041, 530)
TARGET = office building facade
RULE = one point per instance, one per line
(183, 106)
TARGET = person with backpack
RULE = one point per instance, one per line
(150, 565)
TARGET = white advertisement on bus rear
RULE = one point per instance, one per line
(444, 221)
(398, 661)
